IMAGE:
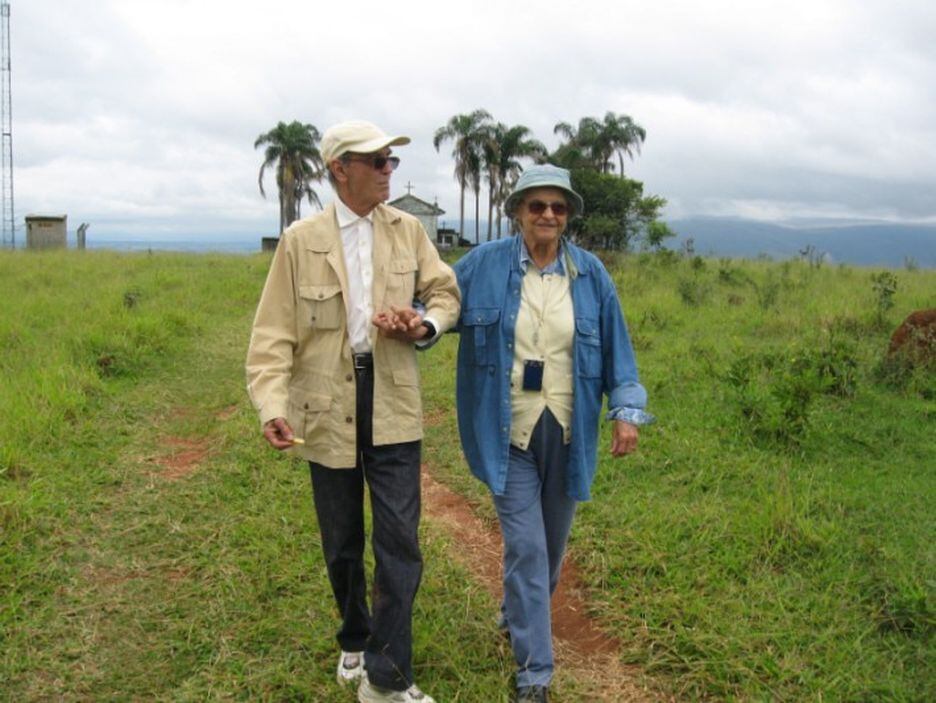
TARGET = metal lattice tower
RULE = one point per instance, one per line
(6, 126)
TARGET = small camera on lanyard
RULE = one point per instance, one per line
(533, 374)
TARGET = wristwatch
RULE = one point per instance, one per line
(430, 329)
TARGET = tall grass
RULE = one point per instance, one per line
(122, 580)
(773, 538)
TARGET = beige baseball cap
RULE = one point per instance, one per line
(358, 136)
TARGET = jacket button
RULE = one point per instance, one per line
(349, 377)
(320, 296)
(306, 406)
(349, 419)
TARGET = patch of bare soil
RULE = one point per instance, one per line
(112, 576)
(228, 412)
(431, 418)
(583, 650)
(184, 457)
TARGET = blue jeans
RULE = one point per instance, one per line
(392, 474)
(535, 516)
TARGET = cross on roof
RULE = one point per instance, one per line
(409, 188)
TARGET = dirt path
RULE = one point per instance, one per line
(583, 651)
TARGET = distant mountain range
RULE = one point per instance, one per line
(859, 243)
(838, 241)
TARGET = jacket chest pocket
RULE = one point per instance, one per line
(588, 347)
(322, 306)
(479, 330)
(401, 281)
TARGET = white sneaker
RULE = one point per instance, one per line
(369, 693)
(350, 666)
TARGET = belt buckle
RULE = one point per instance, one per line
(361, 361)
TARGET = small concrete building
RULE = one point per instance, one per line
(427, 213)
(46, 231)
(446, 238)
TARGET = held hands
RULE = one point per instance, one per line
(623, 438)
(402, 324)
(278, 433)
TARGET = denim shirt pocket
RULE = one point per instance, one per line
(588, 347)
(480, 325)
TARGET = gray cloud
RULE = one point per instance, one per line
(141, 114)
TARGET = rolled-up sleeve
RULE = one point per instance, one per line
(627, 398)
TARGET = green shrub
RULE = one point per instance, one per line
(768, 292)
(694, 291)
(773, 392)
(884, 285)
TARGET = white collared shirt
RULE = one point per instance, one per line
(357, 241)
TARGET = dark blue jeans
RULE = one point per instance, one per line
(392, 475)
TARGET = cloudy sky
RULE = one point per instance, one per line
(139, 116)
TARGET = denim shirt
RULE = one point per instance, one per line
(490, 278)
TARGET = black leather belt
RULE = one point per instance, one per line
(363, 361)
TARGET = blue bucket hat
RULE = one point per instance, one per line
(545, 176)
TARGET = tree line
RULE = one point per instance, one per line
(487, 151)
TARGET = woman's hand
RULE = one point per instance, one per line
(402, 324)
(623, 438)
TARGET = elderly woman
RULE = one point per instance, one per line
(542, 337)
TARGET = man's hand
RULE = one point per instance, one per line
(623, 438)
(402, 324)
(278, 433)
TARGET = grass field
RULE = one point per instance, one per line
(772, 540)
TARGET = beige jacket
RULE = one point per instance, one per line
(299, 360)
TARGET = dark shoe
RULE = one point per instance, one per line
(533, 694)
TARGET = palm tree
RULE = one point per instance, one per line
(624, 135)
(490, 157)
(466, 133)
(584, 145)
(506, 146)
(594, 143)
(293, 148)
(474, 181)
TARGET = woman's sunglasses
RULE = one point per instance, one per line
(377, 161)
(538, 207)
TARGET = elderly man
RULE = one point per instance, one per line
(332, 371)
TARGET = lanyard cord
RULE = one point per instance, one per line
(540, 324)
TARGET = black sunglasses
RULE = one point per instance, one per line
(538, 207)
(377, 161)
